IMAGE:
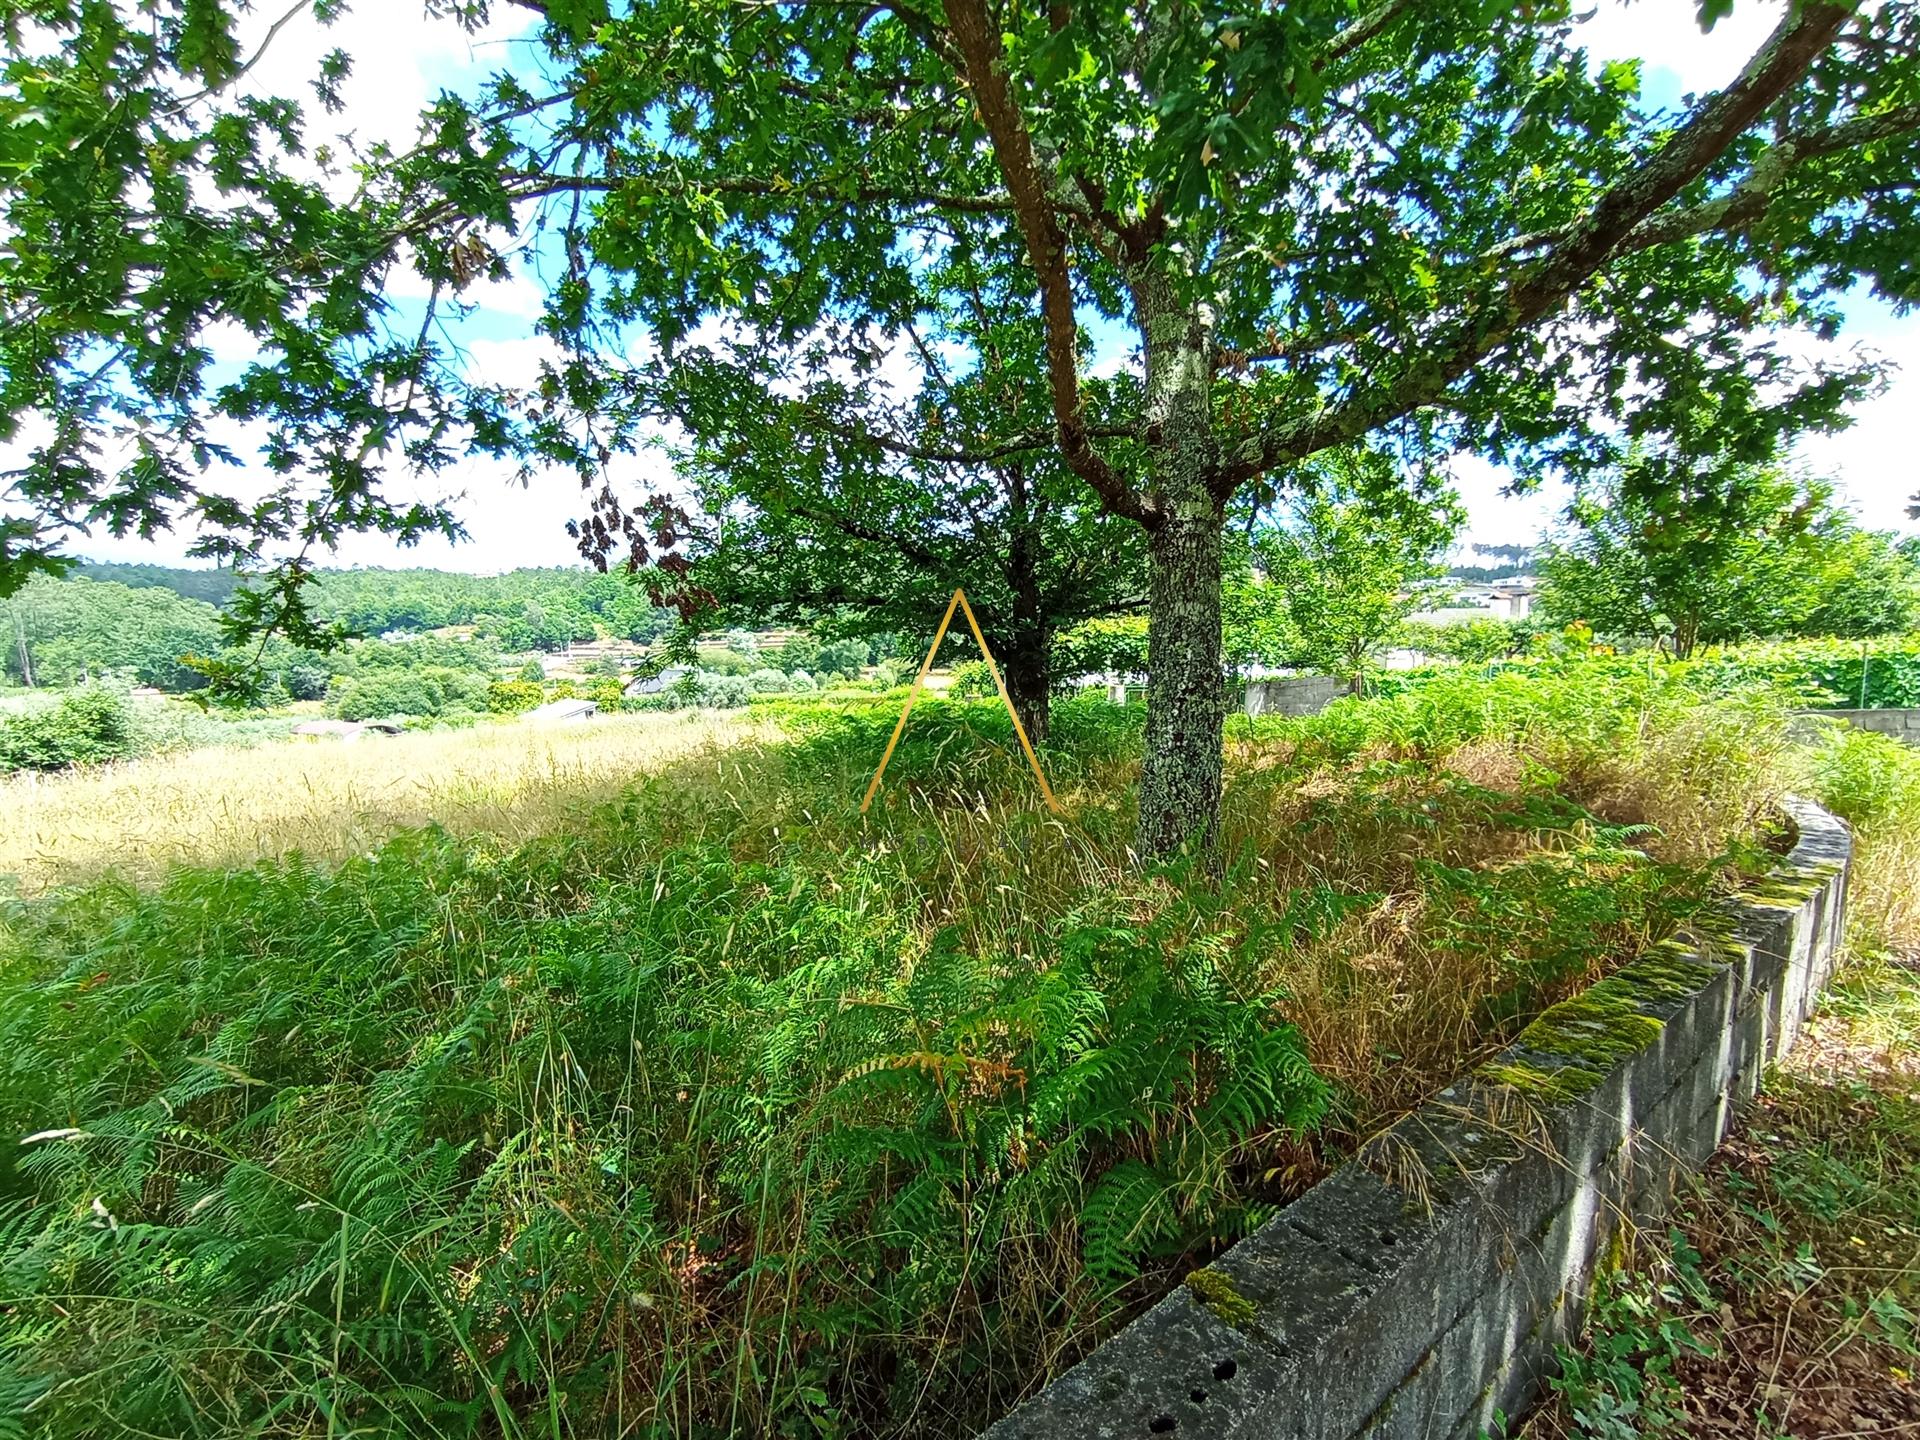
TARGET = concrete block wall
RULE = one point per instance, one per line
(1419, 1292)
(1292, 695)
(1901, 724)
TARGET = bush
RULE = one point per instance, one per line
(307, 680)
(724, 692)
(768, 681)
(937, 1092)
(1470, 642)
(703, 690)
(533, 672)
(846, 657)
(84, 727)
(384, 693)
(1873, 783)
(609, 695)
(1824, 674)
(721, 661)
(1101, 647)
(972, 680)
(513, 697)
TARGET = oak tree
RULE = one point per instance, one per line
(1438, 225)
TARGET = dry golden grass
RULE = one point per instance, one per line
(330, 800)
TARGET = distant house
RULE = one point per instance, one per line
(345, 731)
(559, 711)
(656, 684)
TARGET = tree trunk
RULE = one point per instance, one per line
(1028, 671)
(1186, 685)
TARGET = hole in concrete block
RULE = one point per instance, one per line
(1199, 1397)
(1162, 1424)
(1224, 1370)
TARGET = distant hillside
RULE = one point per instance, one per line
(215, 587)
(524, 609)
(1482, 563)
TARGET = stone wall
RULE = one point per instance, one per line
(1421, 1290)
(1292, 695)
(1901, 724)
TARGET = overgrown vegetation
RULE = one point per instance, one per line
(721, 1109)
(1783, 1300)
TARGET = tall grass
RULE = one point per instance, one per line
(223, 807)
(1873, 782)
(722, 1109)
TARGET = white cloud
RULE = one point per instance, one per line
(1666, 35)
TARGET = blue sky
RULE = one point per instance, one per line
(401, 59)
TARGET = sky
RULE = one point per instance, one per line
(401, 59)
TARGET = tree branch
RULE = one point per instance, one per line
(1747, 201)
(534, 185)
(1036, 441)
(1364, 29)
(1580, 251)
(977, 37)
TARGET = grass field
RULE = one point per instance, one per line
(331, 801)
(720, 1108)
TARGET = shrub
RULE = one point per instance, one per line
(84, 727)
(388, 692)
(1102, 647)
(768, 681)
(533, 672)
(609, 695)
(1873, 783)
(972, 680)
(307, 680)
(730, 1070)
(722, 661)
(700, 690)
(1835, 674)
(512, 697)
(724, 692)
(1470, 642)
(844, 657)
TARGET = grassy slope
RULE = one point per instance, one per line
(327, 800)
(721, 1108)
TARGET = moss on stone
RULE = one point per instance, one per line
(1783, 892)
(1561, 1083)
(1669, 971)
(1599, 1028)
(1218, 1294)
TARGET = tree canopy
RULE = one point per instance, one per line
(1689, 555)
(831, 513)
(1357, 552)
(1438, 225)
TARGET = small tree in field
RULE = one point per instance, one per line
(1685, 556)
(1297, 226)
(1353, 557)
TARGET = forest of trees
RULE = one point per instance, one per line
(103, 617)
(141, 620)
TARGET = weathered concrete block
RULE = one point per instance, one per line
(1901, 724)
(1423, 1289)
(1292, 695)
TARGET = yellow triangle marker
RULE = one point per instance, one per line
(960, 601)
